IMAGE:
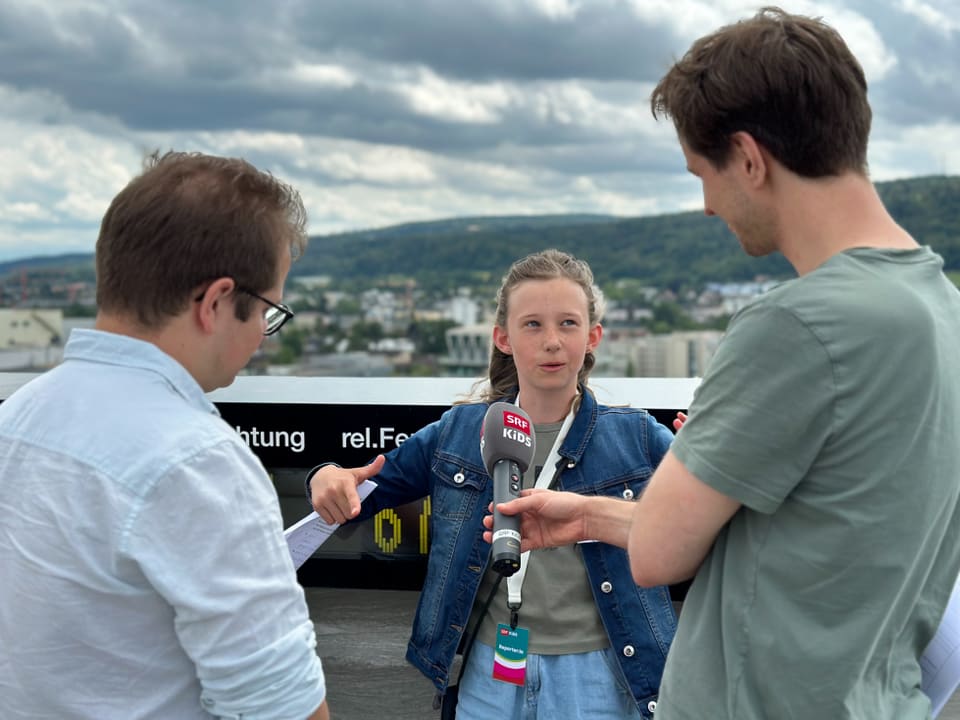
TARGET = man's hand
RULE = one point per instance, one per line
(333, 490)
(550, 518)
(321, 713)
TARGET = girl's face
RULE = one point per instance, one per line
(548, 333)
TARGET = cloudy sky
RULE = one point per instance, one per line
(389, 111)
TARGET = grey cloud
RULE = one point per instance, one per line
(184, 66)
(921, 88)
(187, 67)
(479, 40)
(597, 158)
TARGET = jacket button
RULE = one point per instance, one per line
(606, 586)
(652, 705)
(628, 651)
(628, 494)
(459, 478)
(571, 464)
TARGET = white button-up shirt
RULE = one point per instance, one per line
(144, 569)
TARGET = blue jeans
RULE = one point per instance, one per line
(580, 685)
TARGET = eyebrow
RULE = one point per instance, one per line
(561, 315)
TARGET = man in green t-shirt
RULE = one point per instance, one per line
(813, 492)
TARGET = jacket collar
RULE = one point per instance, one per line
(575, 444)
(578, 437)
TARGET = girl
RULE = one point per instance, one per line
(583, 640)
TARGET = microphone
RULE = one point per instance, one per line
(507, 445)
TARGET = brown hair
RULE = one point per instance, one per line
(545, 265)
(789, 81)
(190, 218)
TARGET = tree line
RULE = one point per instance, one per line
(677, 251)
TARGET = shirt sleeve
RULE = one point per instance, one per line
(763, 410)
(210, 540)
(405, 476)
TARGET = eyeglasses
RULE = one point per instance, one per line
(276, 315)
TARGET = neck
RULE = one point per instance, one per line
(545, 407)
(825, 217)
(125, 325)
(173, 338)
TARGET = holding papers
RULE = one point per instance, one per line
(304, 537)
(940, 663)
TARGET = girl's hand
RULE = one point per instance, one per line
(679, 420)
(333, 490)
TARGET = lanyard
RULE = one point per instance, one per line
(547, 473)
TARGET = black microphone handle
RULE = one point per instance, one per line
(506, 529)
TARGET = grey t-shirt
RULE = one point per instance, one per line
(831, 411)
(558, 606)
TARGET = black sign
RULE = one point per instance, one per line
(291, 438)
(389, 550)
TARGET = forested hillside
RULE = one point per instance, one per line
(676, 250)
(682, 250)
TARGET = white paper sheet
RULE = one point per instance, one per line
(940, 664)
(305, 536)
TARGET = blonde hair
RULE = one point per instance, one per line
(546, 265)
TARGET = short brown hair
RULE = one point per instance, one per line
(789, 81)
(546, 265)
(189, 218)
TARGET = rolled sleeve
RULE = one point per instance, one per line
(210, 540)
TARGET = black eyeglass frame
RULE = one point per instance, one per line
(285, 312)
(273, 325)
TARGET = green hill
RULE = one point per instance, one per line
(679, 250)
(676, 250)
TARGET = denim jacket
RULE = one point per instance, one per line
(443, 460)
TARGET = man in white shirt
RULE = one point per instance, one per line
(145, 572)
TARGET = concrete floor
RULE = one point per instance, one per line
(362, 639)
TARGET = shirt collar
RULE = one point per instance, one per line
(124, 351)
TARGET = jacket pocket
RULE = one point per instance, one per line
(458, 487)
(626, 486)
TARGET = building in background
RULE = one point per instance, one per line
(32, 339)
(671, 355)
(30, 328)
(468, 350)
(621, 353)
(463, 309)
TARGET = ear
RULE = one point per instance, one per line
(594, 337)
(750, 157)
(212, 303)
(501, 340)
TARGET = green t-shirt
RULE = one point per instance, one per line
(831, 411)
